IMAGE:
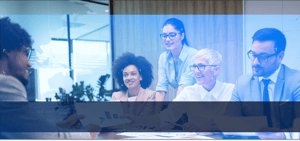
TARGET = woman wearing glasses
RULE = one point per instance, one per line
(174, 63)
(205, 67)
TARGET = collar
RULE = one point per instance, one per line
(272, 77)
(214, 92)
(182, 56)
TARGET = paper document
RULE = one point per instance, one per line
(100, 113)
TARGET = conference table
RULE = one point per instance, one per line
(175, 135)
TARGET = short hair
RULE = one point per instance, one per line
(213, 57)
(13, 36)
(144, 67)
(271, 34)
(178, 25)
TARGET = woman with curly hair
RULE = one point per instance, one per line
(134, 76)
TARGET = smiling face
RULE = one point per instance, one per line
(207, 77)
(267, 68)
(19, 64)
(131, 77)
(172, 44)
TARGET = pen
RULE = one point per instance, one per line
(174, 123)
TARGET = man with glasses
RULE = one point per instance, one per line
(18, 119)
(270, 81)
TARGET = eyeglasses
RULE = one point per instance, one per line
(171, 35)
(261, 58)
(200, 67)
(28, 52)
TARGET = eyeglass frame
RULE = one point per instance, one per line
(28, 51)
(197, 66)
(168, 35)
(259, 56)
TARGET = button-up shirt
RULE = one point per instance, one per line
(271, 86)
(175, 73)
(221, 92)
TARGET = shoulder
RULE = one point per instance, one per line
(291, 73)
(190, 53)
(148, 91)
(11, 89)
(244, 79)
(292, 77)
(243, 84)
(164, 55)
(150, 94)
(187, 94)
(117, 95)
(189, 89)
(191, 50)
(227, 87)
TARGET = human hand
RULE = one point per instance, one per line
(190, 127)
(71, 121)
(270, 133)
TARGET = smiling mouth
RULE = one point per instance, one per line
(169, 44)
(129, 82)
(199, 76)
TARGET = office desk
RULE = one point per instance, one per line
(156, 135)
(170, 135)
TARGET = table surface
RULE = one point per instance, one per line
(173, 135)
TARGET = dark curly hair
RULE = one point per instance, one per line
(13, 36)
(143, 65)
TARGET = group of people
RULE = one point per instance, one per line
(192, 73)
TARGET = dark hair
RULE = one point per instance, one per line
(271, 34)
(12, 36)
(144, 67)
(178, 25)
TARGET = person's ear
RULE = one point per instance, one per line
(216, 70)
(6, 53)
(280, 56)
(182, 36)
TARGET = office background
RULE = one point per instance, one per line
(226, 26)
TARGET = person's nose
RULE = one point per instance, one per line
(29, 64)
(196, 70)
(255, 61)
(168, 38)
(129, 77)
